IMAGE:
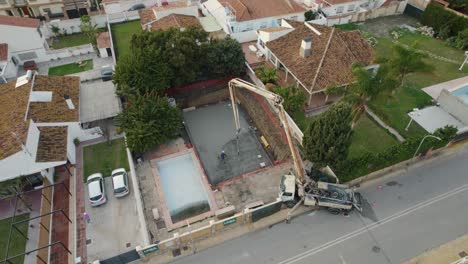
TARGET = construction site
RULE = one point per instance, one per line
(213, 165)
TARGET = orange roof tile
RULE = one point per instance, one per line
(174, 21)
(3, 51)
(103, 40)
(19, 21)
(332, 55)
(52, 144)
(253, 9)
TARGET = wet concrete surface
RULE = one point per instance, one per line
(211, 130)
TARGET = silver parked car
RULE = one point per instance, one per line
(120, 182)
(96, 189)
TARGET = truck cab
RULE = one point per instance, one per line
(288, 190)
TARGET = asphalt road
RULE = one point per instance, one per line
(406, 213)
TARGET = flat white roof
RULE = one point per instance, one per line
(435, 90)
(98, 101)
(433, 117)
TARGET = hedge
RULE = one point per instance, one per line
(368, 162)
(445, 23)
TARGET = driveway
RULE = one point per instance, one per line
(114, 227)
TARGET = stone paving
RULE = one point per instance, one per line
(95, 73)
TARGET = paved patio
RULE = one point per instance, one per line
(98, 64)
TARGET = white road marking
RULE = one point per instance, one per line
(342, 259)
(372, 226)
(312, 214)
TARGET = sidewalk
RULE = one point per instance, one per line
(230, 234)
(448, 253)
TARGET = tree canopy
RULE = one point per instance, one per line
(149, 120)
(163, 59)
(406, 60)
(368, 85)
(328, 136)
(294, 98)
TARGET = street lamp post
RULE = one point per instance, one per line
(420, 144)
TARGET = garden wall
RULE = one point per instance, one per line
(266, 121)
(200, 93)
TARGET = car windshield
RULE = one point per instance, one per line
(96, 198)
(120, 190)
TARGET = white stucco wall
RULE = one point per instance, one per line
(332, 10)
(454, 105)
(24, 40)
(9, 68)
(22, 163)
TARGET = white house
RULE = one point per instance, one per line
(242, 18)
(40, 120)
(331, 12)
(24, 41)
(313, 57)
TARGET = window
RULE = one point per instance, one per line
(350, 8)
(294, 18)
(27, 56)
(263, 25)
(340, 9)
(278, 22)
(260, 42)
(15, 60)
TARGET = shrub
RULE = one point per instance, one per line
(368, 162)
(445, 23)
(76, 141)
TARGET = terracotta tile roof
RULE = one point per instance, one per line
(273, 29)
(19, 21)
(174, 21)
(146, 16)
(332, 55)
(172, 5)
(52, 144)
(103, 40)
(13, 128)
(57, 110)
(253, 9)
(3, 51)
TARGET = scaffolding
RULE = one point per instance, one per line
(20, 196)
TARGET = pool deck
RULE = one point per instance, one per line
(205, 184)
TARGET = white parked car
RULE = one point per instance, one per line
(97, 191)
(120, 182)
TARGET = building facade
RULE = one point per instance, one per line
(46, 9)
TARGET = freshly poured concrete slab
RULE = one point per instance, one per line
(212, 130)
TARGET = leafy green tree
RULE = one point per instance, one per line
(367, 86)
(267, 74)
(55, 30)
(89, 30)
(139, 73)
(294, 98)
(310, 15)
(149, 120)
(328, 136)
(408, 60)
(225, 57)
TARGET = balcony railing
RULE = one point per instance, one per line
(20, 2)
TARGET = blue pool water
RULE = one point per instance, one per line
(462, 93)
(183, 189)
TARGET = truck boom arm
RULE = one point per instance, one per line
(277, 102)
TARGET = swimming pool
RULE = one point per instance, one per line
(183, 188)
(462, 93)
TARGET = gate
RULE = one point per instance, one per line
(124, 258)
(265, 211)
(413, 11)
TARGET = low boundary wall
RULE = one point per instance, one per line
(189, 239)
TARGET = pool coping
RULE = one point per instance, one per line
(205, 185)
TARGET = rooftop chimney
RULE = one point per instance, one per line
(70, 104)
(305, 49)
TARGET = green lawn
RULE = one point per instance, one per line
(18, 242)
(104, 158)
(70, 68)
(368, 136)
(122, 34)
(69, 41)
(393, 110)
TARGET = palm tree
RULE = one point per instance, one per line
(368, 85)
(55, 30)
(267, 75)
(406, 60)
